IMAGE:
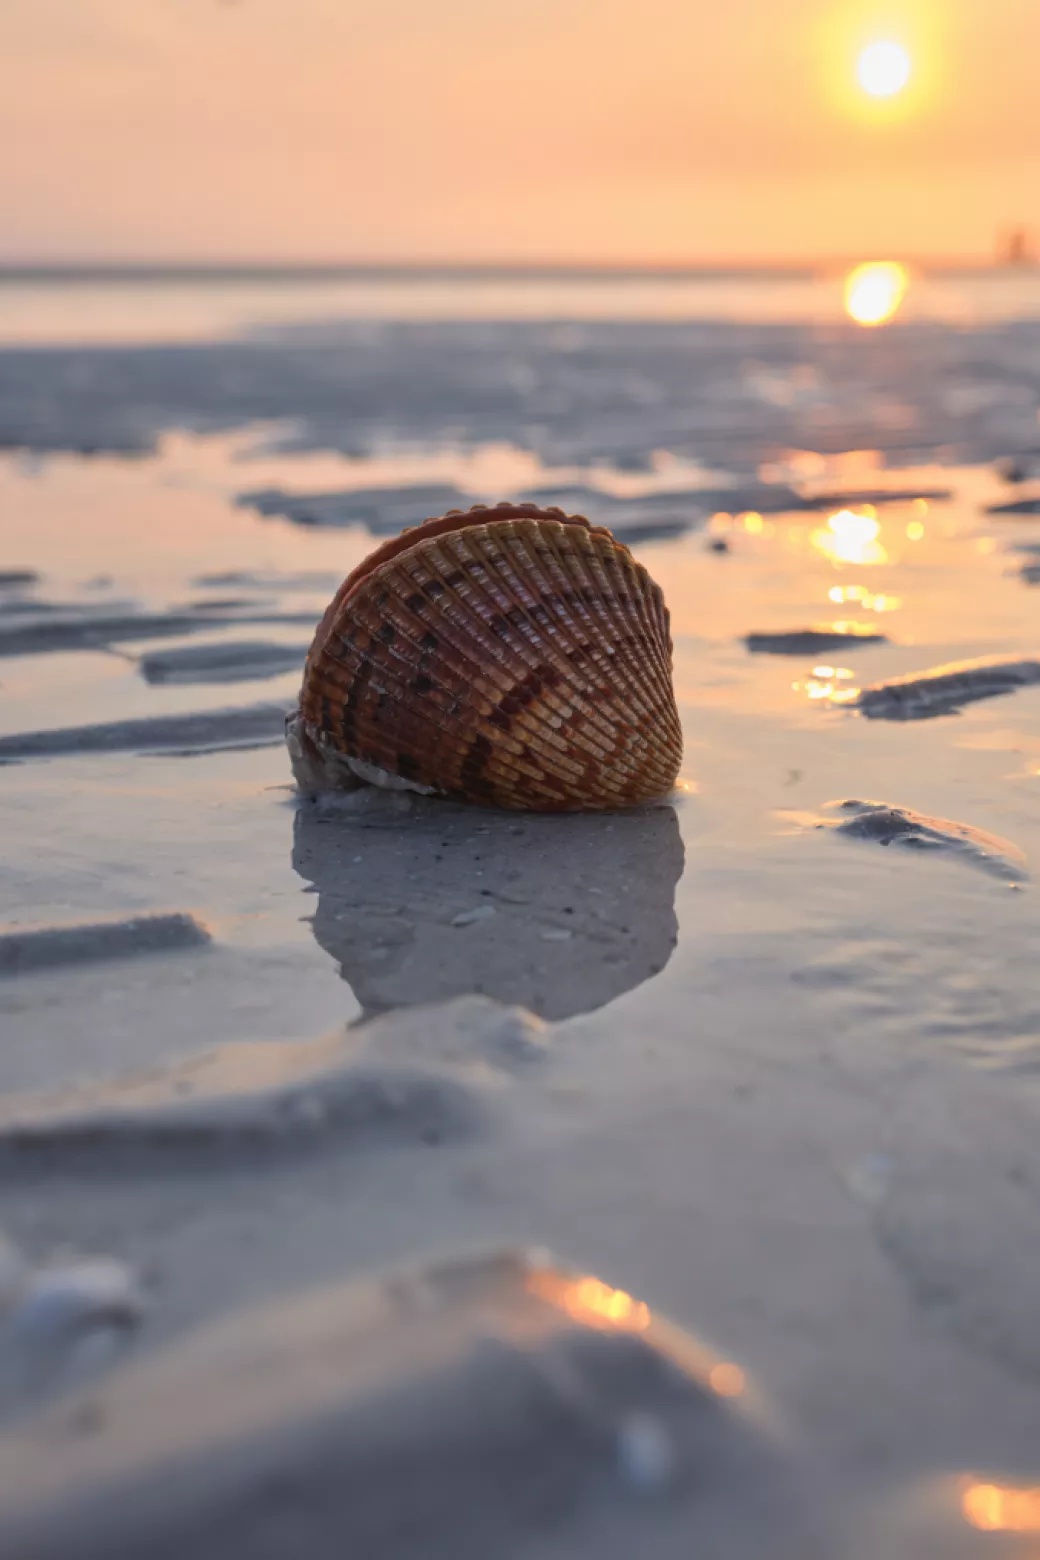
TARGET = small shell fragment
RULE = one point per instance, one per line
(64, 1301)
(513, 657)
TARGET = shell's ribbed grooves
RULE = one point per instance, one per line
(514, 656)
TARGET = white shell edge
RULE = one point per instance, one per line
(317, 768)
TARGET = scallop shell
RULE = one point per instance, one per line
(512, 657)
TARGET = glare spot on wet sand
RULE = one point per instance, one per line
(996, 1508)
(727, 1379)
(589, 1300)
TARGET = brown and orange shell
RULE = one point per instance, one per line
(512, 657)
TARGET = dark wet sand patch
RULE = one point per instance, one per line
(654, 516)
(270, 579)
(1017, 506)
(234, 662)
(92, 631)
(814, 641)
(233, 604)
(209, 731)
(28, 606)
(875, 496)
(382, 510)
(882, 824)
(24, 951)
(944, 690)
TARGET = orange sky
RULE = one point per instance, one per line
(600, 130)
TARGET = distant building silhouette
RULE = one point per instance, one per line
(1016, 248)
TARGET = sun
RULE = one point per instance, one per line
(883, 69)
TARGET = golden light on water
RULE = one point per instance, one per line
(864, 598)
(997, 1508)
(851, 536)
(874, 291)
(854, 531)
(829, 682)
(883, 69)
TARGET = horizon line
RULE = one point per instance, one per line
(34, 269)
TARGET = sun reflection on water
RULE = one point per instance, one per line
(851, 536)
(864, 598)
(829, 682)
(875, 291)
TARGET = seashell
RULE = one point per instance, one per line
(513, 657)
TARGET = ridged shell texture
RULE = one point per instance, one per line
(513, 657)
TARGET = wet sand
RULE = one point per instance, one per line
(760, 1062)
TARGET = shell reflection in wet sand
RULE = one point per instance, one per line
(421, 901)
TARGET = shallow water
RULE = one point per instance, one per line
(184, 305)
(790, 1082)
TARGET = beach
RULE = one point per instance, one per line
(759, 1061)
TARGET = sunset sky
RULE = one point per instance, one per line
(576, 130)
